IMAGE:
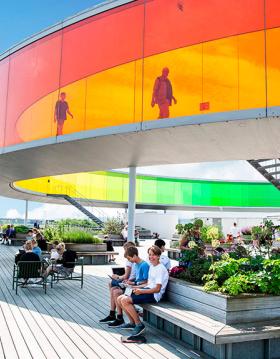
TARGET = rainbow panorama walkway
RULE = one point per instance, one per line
(64, 323)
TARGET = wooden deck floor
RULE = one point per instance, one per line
(64, 323)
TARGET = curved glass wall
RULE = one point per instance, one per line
(113, 187)
(146, 60)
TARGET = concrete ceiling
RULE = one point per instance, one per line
(220, 141)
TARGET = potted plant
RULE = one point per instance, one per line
(113, 228)
(81, 241)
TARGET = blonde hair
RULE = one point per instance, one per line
(28, 245)
(60, 246)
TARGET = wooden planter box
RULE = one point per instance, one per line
(226, 309)
(86, 247)
(21, 236)
(173, 253)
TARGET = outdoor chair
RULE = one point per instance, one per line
(25, 271)
(67, 272)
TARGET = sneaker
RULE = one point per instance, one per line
(138, 330)
(128, 326)
(116, 323)
(108, 319)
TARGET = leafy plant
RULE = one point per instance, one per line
(198, 223)
(21, 229)
(179, 228)
(80, 237)
(237, 284)
(52, 234)
(113, 226)
(196, 270)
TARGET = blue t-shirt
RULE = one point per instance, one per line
(141, 272)
(37, 250)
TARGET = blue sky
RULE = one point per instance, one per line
(21, 19)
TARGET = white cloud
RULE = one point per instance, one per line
(13, 213)
(227, 170)
(55, 211)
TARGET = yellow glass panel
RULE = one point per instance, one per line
(75, 97)
(273, 66)
(38, 120)
(220, 75)
(251, 53)
(185, 75)
(111, 99)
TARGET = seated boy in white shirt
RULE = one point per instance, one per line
(150, 292)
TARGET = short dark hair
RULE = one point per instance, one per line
(131, 252)
(156, 250)
(160, 243)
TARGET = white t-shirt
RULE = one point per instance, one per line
(54, 254)
(132, 272)
(158, 275)
(163, 260)
(235, 231)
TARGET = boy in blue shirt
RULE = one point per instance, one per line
(141, 277)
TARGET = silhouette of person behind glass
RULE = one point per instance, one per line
(60, 113)
(163, 94)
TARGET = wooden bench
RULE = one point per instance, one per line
(214, 338)
(96, 257)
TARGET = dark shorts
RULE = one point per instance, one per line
(143, 298)
(115, 282)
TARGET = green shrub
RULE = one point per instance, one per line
(113, 226)
(196, 270)
(21, 229)
(79, 237)
(245, 275)
(52, 234)
(198, 223)
(76, 222)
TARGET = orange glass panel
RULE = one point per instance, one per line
(185, 76)
(4, 70)
(273, 68)
(220, 75)
(114, 96)
(251, 52)
(76, 99)
(171, 24)
(34, 72)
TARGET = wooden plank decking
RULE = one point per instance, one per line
(64, 323)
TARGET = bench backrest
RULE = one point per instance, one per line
(29, 269)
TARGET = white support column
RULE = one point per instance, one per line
(131, 203)
(26, 213)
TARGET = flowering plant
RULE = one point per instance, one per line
(175, 271)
